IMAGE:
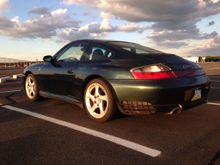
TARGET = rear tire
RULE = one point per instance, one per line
(99, 101)
(31, 88)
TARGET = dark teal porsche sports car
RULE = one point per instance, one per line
(105, 77)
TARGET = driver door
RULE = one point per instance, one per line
(63, 80)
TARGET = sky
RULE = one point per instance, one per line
(31, 29)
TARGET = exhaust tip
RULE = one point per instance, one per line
(176, 109)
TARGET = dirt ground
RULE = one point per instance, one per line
(211, 68)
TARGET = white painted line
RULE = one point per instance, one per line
(2, 92)
(215, 81)
(123, 142)
(215, 88)
(211, 103)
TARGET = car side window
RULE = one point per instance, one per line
(128, 49)
(73, 53)
(98, 53)
(139, 51)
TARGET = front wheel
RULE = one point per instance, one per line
(31, 87)
(99, 101)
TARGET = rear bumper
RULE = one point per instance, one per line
(142, 96)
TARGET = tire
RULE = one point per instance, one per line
(99, 101)
(31, 88)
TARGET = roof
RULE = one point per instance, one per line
(101, 41)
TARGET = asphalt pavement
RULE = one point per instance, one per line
(54, 132)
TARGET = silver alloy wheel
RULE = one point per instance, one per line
(96, 100)
(30, 87)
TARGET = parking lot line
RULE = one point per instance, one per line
(122, 142)
(211, 103)
(2, 92)
(215, 88)
(215, 81)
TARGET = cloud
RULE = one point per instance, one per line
(173, 44)
(39, 10)
(154, 11)
(97, 30)
(59, 12)
(69, 34)
(105, 25)
(78, 2)
(43, 26)
(59, 25)
(3, 5)
(180, 33)
(211, 23)
(173, 21)
(84, 32)
(5, 23)
(132, 27)
(169, 24)
(210, 47)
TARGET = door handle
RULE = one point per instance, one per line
(70, 71)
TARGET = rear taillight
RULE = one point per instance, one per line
(160, 71)
(153, 72)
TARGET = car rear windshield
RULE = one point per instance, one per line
(134, 48)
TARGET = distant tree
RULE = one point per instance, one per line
(200, 59)
(212, 59)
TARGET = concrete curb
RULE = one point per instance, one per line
(11, 78)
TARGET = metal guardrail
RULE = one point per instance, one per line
(18, 64)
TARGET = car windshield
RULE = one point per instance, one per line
(134, 48)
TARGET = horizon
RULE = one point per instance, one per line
(38, 60)
(37, 28)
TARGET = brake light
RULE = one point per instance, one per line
(153, 72)
(160, 71)
(153, 76)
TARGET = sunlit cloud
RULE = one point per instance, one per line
(4, 4)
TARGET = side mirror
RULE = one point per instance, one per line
(48, 58)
